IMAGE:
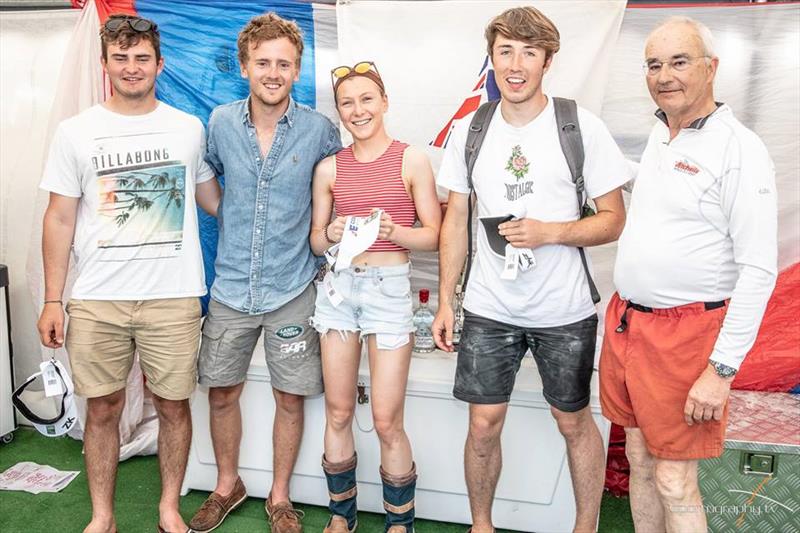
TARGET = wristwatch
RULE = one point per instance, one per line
(723, 371)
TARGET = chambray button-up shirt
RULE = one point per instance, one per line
(263, 256)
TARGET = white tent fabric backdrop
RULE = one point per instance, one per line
(32, 48)
(442, 42)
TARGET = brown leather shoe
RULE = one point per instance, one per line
(338, 524)
(283, 518)
(216, 508)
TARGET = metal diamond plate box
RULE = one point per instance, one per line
(754, 486)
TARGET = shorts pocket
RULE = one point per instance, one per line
(395, 286)
(212, 337)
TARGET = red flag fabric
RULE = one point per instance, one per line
(107, 7)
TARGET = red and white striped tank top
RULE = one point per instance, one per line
(361, 186)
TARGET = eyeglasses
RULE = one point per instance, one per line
(137, 24)
(361, 67)
(653, 67)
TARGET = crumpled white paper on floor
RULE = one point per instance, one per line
(35, 478)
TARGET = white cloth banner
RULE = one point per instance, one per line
(430, 54)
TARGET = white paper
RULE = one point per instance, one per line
(52, 383)
(330, 291)
(359, 234)
(511, 263)
(35, 478)
(331, 253)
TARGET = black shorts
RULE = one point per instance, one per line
(491, 352)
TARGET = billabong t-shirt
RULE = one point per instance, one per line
(136, 235)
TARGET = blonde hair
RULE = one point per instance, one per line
(266, 28)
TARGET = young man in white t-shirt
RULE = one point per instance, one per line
(548, 308)
(123, 177)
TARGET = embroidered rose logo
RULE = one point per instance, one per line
(518, 164)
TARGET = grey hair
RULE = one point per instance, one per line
(706, 38)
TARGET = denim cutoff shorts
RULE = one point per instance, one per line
(375, 300)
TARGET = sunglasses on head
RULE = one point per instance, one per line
(137, 24)
(344, 71)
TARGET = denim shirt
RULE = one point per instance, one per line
(264, 259)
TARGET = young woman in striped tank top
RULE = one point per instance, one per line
(372, 300)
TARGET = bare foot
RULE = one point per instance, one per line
(172, 522)
(98, 525)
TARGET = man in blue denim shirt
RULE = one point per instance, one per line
(266, 146)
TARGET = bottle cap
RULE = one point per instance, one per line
(424, 294)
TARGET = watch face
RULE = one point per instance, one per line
(724, 371)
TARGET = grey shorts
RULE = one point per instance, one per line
(491, 352)
(291, 346)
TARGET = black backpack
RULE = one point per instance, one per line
(569, 135)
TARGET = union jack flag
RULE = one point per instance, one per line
(485, 90)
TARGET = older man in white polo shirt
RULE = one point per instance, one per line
(695, 268)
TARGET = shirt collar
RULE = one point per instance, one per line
(696, 124)
(287, 117)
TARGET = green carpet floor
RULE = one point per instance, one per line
(138, 488)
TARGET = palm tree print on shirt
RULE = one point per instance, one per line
(146, 206)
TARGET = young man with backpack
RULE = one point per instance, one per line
(530, 286)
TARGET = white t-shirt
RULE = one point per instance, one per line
(702, 227)
(136, 235)
(526, 165)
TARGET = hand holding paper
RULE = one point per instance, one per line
(526, 232)
(516, 256)
(387, 225)
(359, 234)
(335, 229)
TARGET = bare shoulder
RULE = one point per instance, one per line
(325, 170)
(416, 164)
(415, 156)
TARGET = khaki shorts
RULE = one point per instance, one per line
(102, 337)
(290, 343)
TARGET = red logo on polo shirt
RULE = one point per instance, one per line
(686, 168)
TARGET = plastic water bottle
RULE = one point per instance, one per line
(423, 320)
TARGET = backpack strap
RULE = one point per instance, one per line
(569, 135)
(478, 127)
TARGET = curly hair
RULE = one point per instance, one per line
(266, 28)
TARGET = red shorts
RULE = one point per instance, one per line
(647, 370)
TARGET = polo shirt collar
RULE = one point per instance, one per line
(696, 124)
(288, 116)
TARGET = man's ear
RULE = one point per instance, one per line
(547, 63)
